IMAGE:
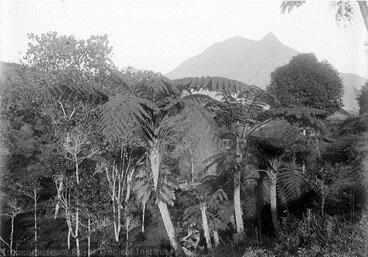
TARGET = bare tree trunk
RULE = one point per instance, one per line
(129, 186)
(35, 220)
(57, 207)
(237, 203)
(216, 237)
(323, 206)
(69, 235)
(76, 170)
(206, 229)
(192, 164)
(11, 236)
(143, 214)
(127, 242)
(273, 201)
(76, 232)
(232, 221)
(303, 167)
(116, 221)
(155, 159)
(89, 237)
(77, 210)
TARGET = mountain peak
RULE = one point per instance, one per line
(269, 37)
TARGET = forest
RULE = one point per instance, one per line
(102, 161)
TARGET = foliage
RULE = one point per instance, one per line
(345, 10)
(70, 112)
(217, 84)
(305, 81)
(315, 235)
(362, 99)
(64, 60)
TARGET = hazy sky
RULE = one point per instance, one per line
(159, 35)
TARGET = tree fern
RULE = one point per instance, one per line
(215, 84)
(122, 114)
(303, 116)
(155, 88)
(73, 92)
(290, 181)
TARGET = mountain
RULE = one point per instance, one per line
(252, 62)
(352, 84)
(238, 58)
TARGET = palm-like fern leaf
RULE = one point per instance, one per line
(201, 99)
(289, 5)
(290, 182)
(124, 114)
(155, 88)
(217, 84)
(309, 117)
(79, 93)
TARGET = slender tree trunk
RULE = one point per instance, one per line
(216, 238)
(11, 236)
(35, 221)
(155, 159)
(116, 214)
(232, 220)
(192, 164)
(127, 242)
(118, 220)
(273, 201)
(237, 203)
(129, 186)
(77, 231)
(323, 206)
(69, 236)
(89, 237)
(77, 209)
(76, 170)
(259, 206)
(57, 207)
(143, 214)
(303, 167)
(206, 229)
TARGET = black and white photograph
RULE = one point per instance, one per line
(184, 128)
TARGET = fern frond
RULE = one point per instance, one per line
(216, 84)
(201, 99)
(155, 88)
(217, 159)
(289, 5)
(309, 117)
(79, 93)
(123, 115)
(290, 182)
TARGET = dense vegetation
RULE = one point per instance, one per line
(363, 99)
(102, 161)
(306, 82)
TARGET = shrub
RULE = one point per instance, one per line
(315, 235)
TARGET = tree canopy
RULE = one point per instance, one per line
(362, 99)
(345, 10)
(306, 82)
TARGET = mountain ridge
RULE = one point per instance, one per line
(252, 62)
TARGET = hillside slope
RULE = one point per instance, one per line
(252, 62)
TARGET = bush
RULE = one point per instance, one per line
(250, 252)
(315, 235)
